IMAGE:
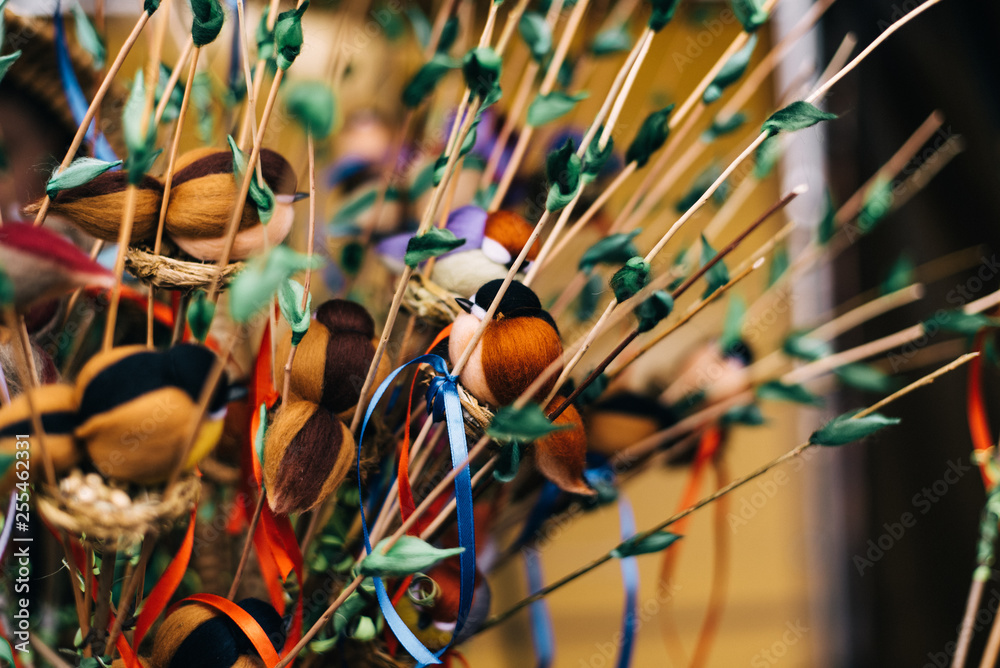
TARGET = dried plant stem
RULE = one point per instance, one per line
(247, 544)
(736, 484)
(254, 82)
(548, 82)
(851, 319)
(992, 650)
(175, 76)
(47, 653)
(81, 131)
(168, 178)
(29, 381)
(241, 197)
(131, 587)
(968, 621)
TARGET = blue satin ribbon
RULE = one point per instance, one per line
(630, 580)
(541, 620)
(74, 93)
(443, 401)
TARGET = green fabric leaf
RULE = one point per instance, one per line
(448, 35)
(748, 415)
(800, 346)
(594, 158)
(732, 328)
(662, 13)
(796, 116)
(79, 172)
(846, 428)
(206, 21)
(365, 631)
(360, 203)
(536, 33)
(699, 187)
(523, 425)
(265, 37)
(653, 310)
(750, 13)
(766, 157)
(290, 301)
(353, 606)
(828, 224)
(6, 652)
(864, 377)
(775, 390)
(312, 104)
(409, 555)
(718, 275)
(6, 289)
(586, 304)
(651, 136)
(255, 286)
(140, 148)
(201, 98)
(901, 275)
(563, 168)
(288, 36)
(435, 241)
(721, 128)
(959, 322)
(547, 108)
(779, 264)
(352, 257)
(200, 312)
(172, 109)
(260, 437)
(655, 542)
(150, 6)
(481, 68)
(508, 461)
(612, 249)
(611, 41)
(877, 203)
(730, 72)
(260, 192)
(86, 36)
(427, 78)
(420, 24)
(989, 528)
(6, 460)
(630, 279)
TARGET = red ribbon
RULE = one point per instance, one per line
(979, 424)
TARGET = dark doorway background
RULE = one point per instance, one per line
(907, 604)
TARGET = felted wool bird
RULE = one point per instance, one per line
(42, 265)
(492, 243)
(196, 636)
(202, 194)
(309, 449)
(137, 406)
(518, 344)
(430, 606)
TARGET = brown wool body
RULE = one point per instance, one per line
(308, 449)
(199, 634)
(307, 454)
(512, 232)
(96, 207)
(202, 193)
(55, 405)
(562, 455)
(140, 438)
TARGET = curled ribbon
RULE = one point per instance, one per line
(444, 403)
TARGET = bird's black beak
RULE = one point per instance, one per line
(299, 196)
(466, 304)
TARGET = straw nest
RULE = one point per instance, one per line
(429, 301)
(172, 274)
(108, 517)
